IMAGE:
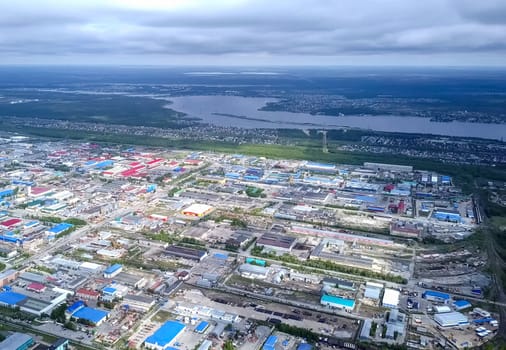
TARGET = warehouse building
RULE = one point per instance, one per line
(59, 229)
(94, 316)
(276, 242)
(138, 302)
(197, 210)
(87, 294)
(164, 336)
(447, 215)
(17, 341)
(30, 305)
(461, 304)
(253, 271)
(186, 253)
(270, 343)
(435, 296)
(405, 229)
(373, 290)
(338, 302)
(113, 270)
(451, 319)
(7, 277)
(391, 298)
(389, 167)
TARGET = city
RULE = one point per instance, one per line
(112, 246)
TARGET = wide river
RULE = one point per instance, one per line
(244, 112)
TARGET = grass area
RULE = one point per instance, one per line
(161, 316)
(2, 266)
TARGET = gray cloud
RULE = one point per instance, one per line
(254, 30)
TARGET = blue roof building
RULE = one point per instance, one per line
(11, 298)
(94, 316)
(109, 290)
(104, 164)
(432, 295)
(75, 306)
(270, 343)
(221, 256)
(304, 346)
(201, 327)
(164, 336)
(447, 215)
(6, 193)
(113, 270)
(338, 302)
(461, 304)
(60, 228)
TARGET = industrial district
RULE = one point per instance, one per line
(112, 247)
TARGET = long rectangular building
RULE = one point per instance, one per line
(185, 252)
(272, 241)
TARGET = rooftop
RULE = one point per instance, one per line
(275, 240)
(90, 314)
(11, 298)
(166, 333)
(338, 300)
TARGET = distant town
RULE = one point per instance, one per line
(107, 246)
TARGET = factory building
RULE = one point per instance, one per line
(113, 270)
(391, 298)
(17, 341)
(451, 319)
(338, 302)
(276, 242)
(435, 296)
(138, 302)
(8, 276)
(186, 253)
(405, 229)
(253, 271)
(166, 335)
(197, 210)
(389, 167)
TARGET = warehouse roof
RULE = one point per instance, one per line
(436, 294)
(201, 327)
(11, 298)
(461, 304)
(113, 268)
(350, 303)
(60, 228)
(90, 314)
(450, 319)
(15, 341)
(185, 252)
(275, 240)
(166, 333)
(270, 342)
(391, 297)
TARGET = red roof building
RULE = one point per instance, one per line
(11, 223)
(87, 294)
(37, 191)
(36, 287)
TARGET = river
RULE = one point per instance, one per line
(244, 112)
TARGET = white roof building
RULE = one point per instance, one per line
(451, 319)
(391, 298)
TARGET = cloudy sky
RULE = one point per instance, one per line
(253, 32)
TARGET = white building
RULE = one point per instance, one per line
(391, 298)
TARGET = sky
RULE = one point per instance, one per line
(254, 32)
